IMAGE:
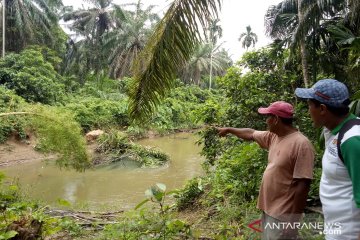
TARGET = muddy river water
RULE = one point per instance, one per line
(118, 186)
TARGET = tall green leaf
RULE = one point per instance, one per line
(167, 51)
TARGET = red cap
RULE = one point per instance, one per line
(279, 108)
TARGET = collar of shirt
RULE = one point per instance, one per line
(339, 126)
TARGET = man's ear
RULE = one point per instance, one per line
(276, 119)
(323, 109)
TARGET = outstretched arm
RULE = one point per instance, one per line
(243, 133)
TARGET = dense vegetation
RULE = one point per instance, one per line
(130, 72)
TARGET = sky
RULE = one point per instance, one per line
(235, 15)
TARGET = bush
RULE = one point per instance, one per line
(246, 93)
(192, 191)
(10, 102)
(91, 112)
(180, 109)
(159, 223)
(239, 172)
(58, 132)
(31, 76)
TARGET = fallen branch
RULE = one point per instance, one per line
(87, 219)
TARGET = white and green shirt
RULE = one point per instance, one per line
(340, 184)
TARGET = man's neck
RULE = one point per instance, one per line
(334, 121)
(286, 130)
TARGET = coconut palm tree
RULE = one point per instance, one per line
(169, 48)
(28, 22)
(78, 59)
(91, 24)
(297, 22)
(215, 32)
(248, 38)
(199, 64)
(126, 41)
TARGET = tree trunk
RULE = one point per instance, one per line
(211, 66)
(304, 63)
(197, 77)
(303, 50)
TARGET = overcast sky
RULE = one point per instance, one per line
(235, 16)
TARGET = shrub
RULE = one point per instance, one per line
(91, 112)
(179, 109)
(58, 132)
(192, 191)
(10, 102)
(239, 172)
(31, 76)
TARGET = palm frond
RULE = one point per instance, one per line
(46, 9)
(241, 36)
(78, 14)
(170, 46)
(341, 34)
(127, 39)
(281, 19)
(312, 16)
(22, 23)
(254, 36)
(119, 14)
(329, 8)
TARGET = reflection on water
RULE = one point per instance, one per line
(120, 185)
(129, 164)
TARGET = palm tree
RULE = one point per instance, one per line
(301, 40)
(78, 59)
(281, 21)
(198, 66)
(28, 22)
(168, 49)
(92, 24)
(248, 38)
(295, 21)
(215, 32)
(126, 41)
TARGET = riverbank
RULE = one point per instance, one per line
(18, 151)
(206, 214)
(15, 151)
(118, 185)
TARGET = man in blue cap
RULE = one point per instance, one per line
(328, 102)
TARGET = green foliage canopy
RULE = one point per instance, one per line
(32, 75)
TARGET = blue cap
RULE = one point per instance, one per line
(327, 91)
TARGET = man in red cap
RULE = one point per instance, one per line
(287, 177)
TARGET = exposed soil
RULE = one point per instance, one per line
(16, 151)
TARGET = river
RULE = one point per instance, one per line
(117, 186)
